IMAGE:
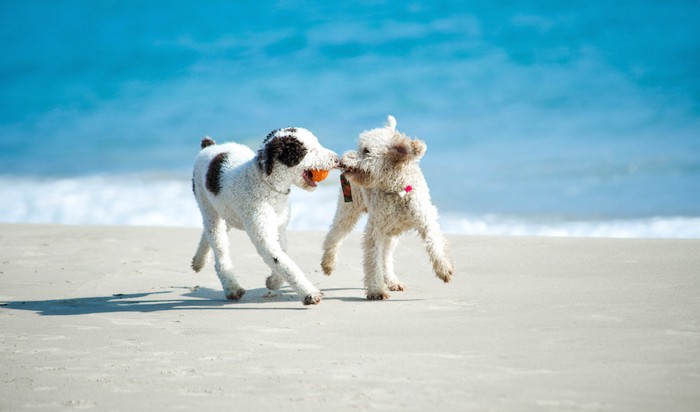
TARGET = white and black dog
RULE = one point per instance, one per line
(237, 188)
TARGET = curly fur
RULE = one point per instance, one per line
(388, 185)
(235, 188)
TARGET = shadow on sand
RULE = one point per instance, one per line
(196, 298)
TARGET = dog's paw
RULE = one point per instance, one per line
(380, 295)
(197, 265)
(328, 265)
(274, 282)
(445, 273)
(235, 294)
(397, 287)
(313, 298)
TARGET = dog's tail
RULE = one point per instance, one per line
(207, 141)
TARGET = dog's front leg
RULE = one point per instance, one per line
(346, 217)
(275, 280)
(265, 239)
(373, 264)
(437, 250)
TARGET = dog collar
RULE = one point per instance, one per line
(274, 189)
(406, 190)
(347, 189)
(277, 190)
(403, 192)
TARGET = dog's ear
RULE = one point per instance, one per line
(419, 148)
(288, 150)
(403, 149)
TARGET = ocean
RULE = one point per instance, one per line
(550, 118)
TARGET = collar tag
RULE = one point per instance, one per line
(347, 189)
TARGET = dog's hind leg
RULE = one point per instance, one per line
(392, 282)
(373, 265)
(202, 256)
(216, 231)
(346, 217)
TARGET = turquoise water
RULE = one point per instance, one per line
(537, 114)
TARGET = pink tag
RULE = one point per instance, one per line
(405, 191)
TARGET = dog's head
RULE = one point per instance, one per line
(383, 154)
(293, 153)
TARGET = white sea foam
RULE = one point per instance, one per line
(133, 200)
(168, 201)
(654, 227)
(98, 200)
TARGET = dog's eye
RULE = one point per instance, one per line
(365, 151)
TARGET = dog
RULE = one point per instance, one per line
(237, 188)
(387, 184)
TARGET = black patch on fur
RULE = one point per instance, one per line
(214, 172)
(206, 142)
(287, 149)
(261, 152)
(291, 130)
(275, 259)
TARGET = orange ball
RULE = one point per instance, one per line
(319, 175)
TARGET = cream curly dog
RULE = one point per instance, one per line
(388, 185)
(237, 188)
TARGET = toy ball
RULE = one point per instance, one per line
(318, 175)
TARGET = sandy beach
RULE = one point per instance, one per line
(112, 318)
